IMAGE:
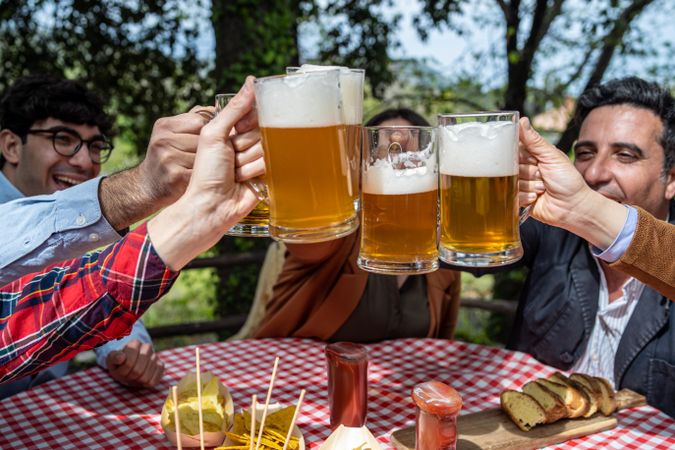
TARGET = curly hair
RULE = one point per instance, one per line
(37, 97)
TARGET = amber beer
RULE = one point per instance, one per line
(304, 142)
(399, 206)
(479, 189)
(351, 90)
(257, 222)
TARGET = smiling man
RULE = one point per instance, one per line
(55, 135)
(576, 312)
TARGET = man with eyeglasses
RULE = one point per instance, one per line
(74, 305)
(54, 135)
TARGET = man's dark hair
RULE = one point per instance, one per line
(37, 97)
(396, 113)
(642, 94)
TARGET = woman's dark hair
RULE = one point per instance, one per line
(396, 113)
(642, 94)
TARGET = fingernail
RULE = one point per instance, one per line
(527, 124)
(531, 196)
(539, 185)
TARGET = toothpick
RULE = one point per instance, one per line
(199, 401)
(254, 400)
(176, 419)
(295, 416)
(267, 402)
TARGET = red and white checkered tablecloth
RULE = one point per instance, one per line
(88, 410)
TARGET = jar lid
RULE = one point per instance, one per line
(347, 350)
(435, 397)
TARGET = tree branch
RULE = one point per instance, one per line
(609, 44)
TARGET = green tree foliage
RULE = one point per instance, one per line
(140, 56)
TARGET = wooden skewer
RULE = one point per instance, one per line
(199, 401)
(176, 419)
(267, 402)
(254, 400)
(295, 416)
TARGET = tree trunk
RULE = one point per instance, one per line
(253, 37)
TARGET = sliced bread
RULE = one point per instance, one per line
(591, 387)
(523, 410)
(576, 400)
(608, 405)
(553, 406)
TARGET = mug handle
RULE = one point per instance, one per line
(259, 188)
(524, 214)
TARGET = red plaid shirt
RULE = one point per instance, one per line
(75, 305)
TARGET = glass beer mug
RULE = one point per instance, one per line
(399, 200)
(478, 159)
(308, 179)
(257, 221)
(351, 88)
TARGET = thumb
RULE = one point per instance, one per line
(537, 146)
(240, 105)
(116, 358)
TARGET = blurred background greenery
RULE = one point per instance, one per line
(160, 57)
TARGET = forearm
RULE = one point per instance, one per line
(125, 199)
(649, 257)
(78, 304)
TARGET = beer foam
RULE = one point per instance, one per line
(351, 88)
(479, 149)
(300, 100)
(381, 178)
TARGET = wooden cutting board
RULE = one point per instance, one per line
(493, 430)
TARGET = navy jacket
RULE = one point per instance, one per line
(557, 310)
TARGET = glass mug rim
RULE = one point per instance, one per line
(314, 73)
(399, 127)
(297, 69)
(479, 114)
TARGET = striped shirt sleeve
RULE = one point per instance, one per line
(75, 305)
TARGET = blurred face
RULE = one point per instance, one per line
(35, 168)
(619, 155)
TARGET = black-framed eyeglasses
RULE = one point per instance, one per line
(67, 142)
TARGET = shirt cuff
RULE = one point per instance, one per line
(622, 241)
(138, 332)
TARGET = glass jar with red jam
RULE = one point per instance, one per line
(347, 384)
(437, 408)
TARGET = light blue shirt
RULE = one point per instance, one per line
(45, 229)
(622, 241)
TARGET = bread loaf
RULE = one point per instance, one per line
(546, 400)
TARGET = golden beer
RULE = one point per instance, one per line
(307, 177)
(304, 136)
(478, 155)
(399, 228)
(479, 214)
(399, 203)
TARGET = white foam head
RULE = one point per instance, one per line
(479, 149)
(302, 100)
(381, 178)
(351, 87)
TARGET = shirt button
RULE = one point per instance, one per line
(80, 220)
(94, 237)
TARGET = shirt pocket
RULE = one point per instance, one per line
(661, 386)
